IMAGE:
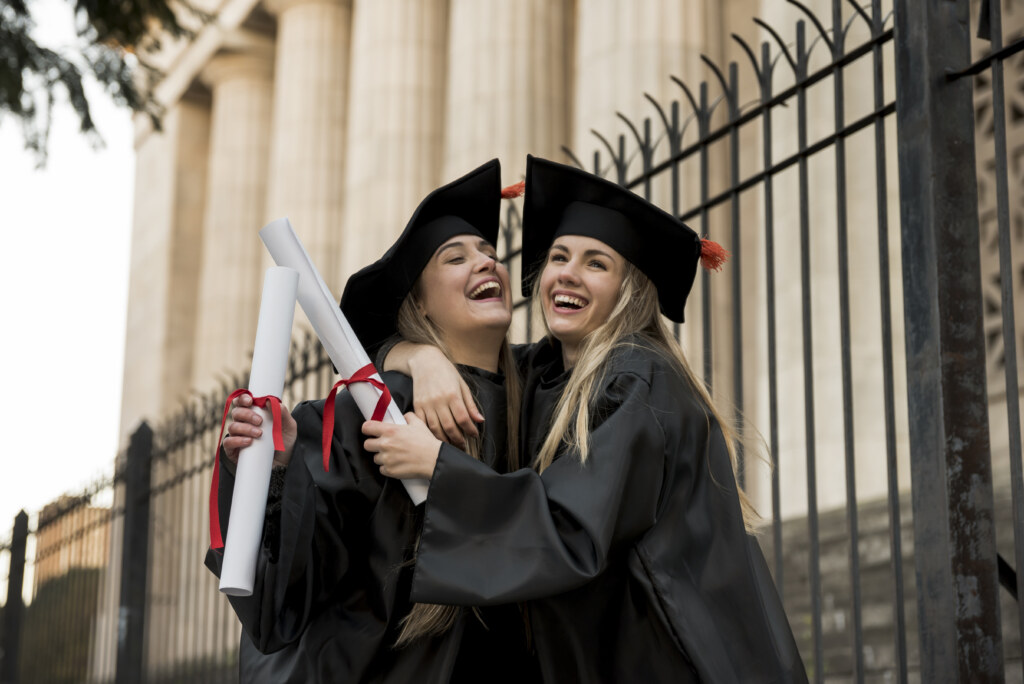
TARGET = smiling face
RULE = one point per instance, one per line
(579, 287)
(464, 290)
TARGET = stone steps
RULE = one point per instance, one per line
(876, 589)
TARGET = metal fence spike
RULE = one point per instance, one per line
(572, 157)
(778, 39)
(718, 74)
(750, 53)
(814, 19)
(672, 134)
(689, 95)
(860, 10)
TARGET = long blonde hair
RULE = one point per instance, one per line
(428, 619)
(636, 314)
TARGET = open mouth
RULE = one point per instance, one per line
(564, 301)
(489, 290)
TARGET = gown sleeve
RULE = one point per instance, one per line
(490, 538)
(308, 555)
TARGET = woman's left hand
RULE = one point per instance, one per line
(403, 451)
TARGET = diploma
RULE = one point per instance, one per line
(252, 475)
(333, 329)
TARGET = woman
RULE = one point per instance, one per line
(629, 539)
(331, 597)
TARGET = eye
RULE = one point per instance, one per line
(600, 265)
(455, 259)
(557, 258)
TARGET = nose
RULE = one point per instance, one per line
(485, 264)
(567, 273)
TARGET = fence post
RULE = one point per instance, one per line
(134, 557)
(951, 465)
(14, 608)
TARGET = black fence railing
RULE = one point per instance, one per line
(997, 77)
(863, 354)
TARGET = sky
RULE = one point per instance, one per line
(64, 249)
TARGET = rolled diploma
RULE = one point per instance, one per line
(333, 329)
(252, 475)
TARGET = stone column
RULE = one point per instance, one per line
(625, 49)
(231, 274)
(170, 197)
(509, 92)
(307, 156)
(509, 76)
(394, 133)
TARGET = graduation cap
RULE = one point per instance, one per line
(563, 200)
(467, 205)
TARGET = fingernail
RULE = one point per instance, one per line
(259, 433)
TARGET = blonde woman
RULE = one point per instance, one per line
(629, 537)
(331, 603)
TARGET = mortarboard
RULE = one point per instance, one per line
(563, 200)
(374, 294)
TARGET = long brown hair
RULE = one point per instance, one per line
(636, 315)
(428, 619)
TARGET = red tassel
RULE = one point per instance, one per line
(712, 255)
(514, 190)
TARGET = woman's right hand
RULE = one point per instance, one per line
(246, 425)
(441, 398)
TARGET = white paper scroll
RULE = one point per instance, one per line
(252, 476)
(332, 328)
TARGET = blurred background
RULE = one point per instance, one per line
(130, 207)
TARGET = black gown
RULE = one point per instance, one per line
(333, 580)
(635, 566)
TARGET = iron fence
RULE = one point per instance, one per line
(864, 354)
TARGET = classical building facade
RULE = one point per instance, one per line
(343, 114)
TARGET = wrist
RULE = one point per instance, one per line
(282, 458)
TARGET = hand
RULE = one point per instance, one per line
(402, 451)
(245, 426)
(441, 398)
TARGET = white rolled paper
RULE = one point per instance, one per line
(252, 475)
(333, 329)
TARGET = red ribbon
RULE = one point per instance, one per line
(364, 374)
(216, 541)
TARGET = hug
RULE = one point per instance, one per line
(583, 521)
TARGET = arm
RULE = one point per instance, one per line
(305, 555)
(442, 399)
(490, 538)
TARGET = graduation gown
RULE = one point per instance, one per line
(636, 564)
(333, 579)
